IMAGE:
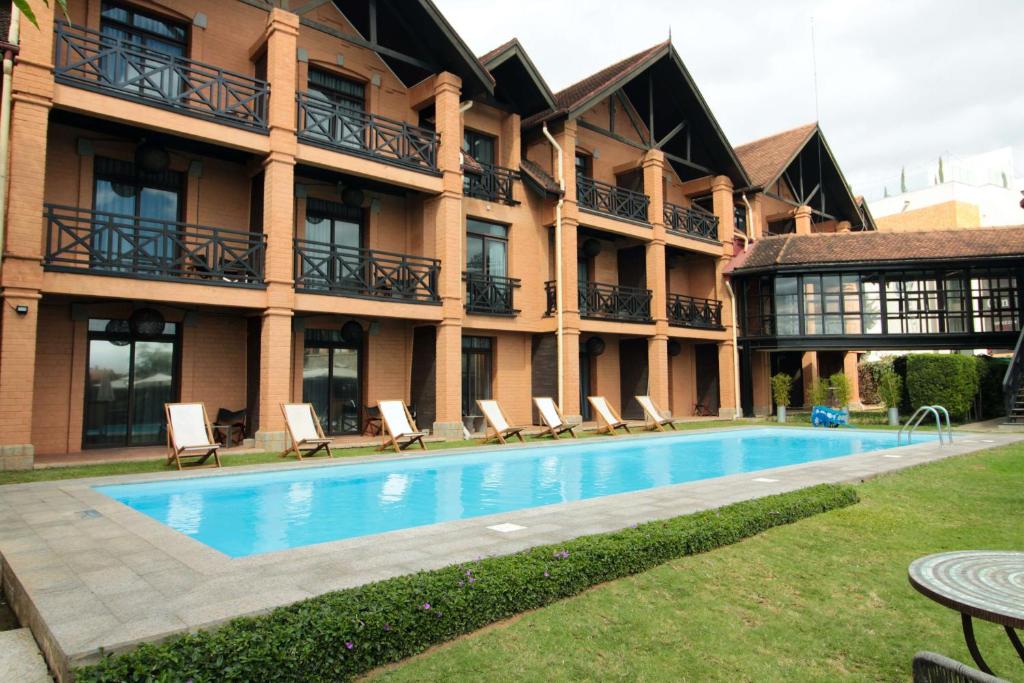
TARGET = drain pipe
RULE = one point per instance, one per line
(750, 222)
(5, 122)
(559, 331)
(735, 353)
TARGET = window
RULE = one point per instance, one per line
(332, 380)
(477, 368)
(480, 146)
(340, 117)
(153, 40)
(787, 307)
(337, 89)
(333, 223)
(994, 299)
(739, 214)
(486, 248)
(338, 231)
(584, 165)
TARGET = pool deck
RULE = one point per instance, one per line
(90, 575)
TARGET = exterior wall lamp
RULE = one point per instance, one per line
(21, 309)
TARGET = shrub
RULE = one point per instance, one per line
(870, 374)
(782, 385)
(840, 389)
(990, 385)
(819, 394)
(340, 635)
(949, 380)
(890, 388)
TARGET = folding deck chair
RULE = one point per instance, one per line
(304, 430)
(397, 424)
(189, 434)
(495, 418)
(653, 415)
(606, 415)
(554, 421)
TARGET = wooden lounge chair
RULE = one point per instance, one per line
(607, 420)
(304, 430)
(495, 418)
(397, 425)
(189, 434)
(554, 421)
(653, 415)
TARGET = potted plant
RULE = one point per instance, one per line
(782, 384)
(890, 390)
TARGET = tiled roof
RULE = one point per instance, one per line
(539, 176)
(884, 247)
(766, 159)
(488, 56)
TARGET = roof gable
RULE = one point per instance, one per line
(518, 83)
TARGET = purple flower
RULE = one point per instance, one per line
(387, 627)
(633, 525)
(546, 575)
(469, 572)
(349, 644)
(426, 605)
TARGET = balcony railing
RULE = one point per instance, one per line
(688, 311)
(356, 132)
(351, 271)
(691, 222)
(610, 302)
(89, 59)
(489, 182)
(130, 246)
(490, 294)
(609, 199)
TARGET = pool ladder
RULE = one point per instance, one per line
(919, 416)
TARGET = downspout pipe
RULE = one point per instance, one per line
(5, 121)
(559, 304)
(750, 222)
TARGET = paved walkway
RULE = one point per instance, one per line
(91, 574)
(20, 659)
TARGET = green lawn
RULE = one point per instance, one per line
(234, 460)
(826, 598)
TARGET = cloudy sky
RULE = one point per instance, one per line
(899, 83)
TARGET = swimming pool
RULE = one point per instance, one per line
(245, 514)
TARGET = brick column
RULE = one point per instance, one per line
(657, 280)
(850, 369)
(443, 213)
(727, 361)
(721, 199)
(809, 362)
(802, 217)
(278, 225)
(21, 274)
(566, 138)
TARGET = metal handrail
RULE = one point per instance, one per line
(919, 415)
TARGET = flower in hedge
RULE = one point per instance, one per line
(472, 579)
(387, 627)
(426, 605)
(562, 554)
(349, 644)
(546, 575)
(633, 525)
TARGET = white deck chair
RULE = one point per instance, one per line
(653, 415)
(607, 416)
(554, 421)
(304, 430)
(189, 434)
(398, 424)
(495, 418)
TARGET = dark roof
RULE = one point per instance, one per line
(766, 159)
(518, 83)
(883, 247)
(539, 177)
(576, 94)
(488, 56)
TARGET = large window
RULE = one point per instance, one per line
(332, 380)
(146, 33)
(349, 98)
(338, 231)
(995, 300)
(477, 369)
(480, 146)
(486, 248)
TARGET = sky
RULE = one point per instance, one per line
(898, 82)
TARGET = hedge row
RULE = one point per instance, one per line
(340, 635)
(949, 380)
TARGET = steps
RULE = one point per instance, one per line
(20, 659)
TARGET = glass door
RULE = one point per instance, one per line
(338, 231)
(332, 381)
(128, 382)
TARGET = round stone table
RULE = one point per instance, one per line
(986, 584)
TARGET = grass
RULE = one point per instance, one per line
(826, 598)
(239, 459)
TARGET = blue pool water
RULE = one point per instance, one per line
(245, 514)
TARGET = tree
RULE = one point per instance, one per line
(903, 179)
(25, 8)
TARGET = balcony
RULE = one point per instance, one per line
(688, 311)
(608, 302)
(80, 240)
(691, 222)
(324, 268)
(352, 131)
(488, 182)
(88, 59)
(619, 202)
(490, 294)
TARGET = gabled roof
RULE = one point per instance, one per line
(518, 82)
(911, 248)
(539, 179)
(766, 159)
(676, 98)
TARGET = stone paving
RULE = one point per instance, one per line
(90, 575)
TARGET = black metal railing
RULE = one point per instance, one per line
(689, 311)
(486, 181)
(490, 294)
(691, 222)
(353, 271)
(354, 131)
(89, 59)
(85, 240)
(614, 201)
(1013, 380)
(609, 302)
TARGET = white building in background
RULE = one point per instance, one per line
(953, 192)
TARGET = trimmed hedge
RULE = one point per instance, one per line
(340, 635)
(949, 380)
(990, 386)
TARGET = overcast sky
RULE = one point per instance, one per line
(899, 83)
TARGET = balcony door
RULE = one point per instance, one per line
(146, 44)
(132, 210)
(340, 116)
(332, 380)
(488, 289)
(477, 372)
(129, 380)
(337, 230)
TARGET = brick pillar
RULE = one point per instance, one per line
(446, 225)
(760, 370)
(850, 369)
(810, 374)
(803, 220)
(278, 225)
(21, 274)
(721, 199)
(571, 339)
(657, 280)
